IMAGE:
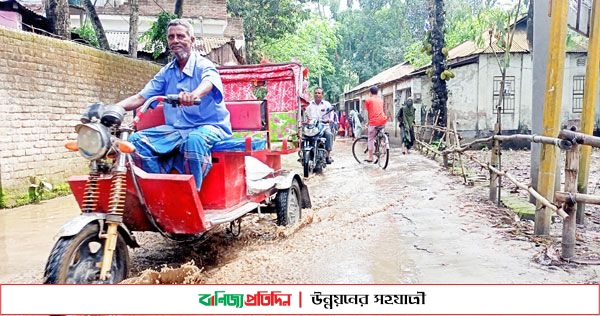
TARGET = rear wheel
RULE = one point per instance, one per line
(384, 158)
(383, 153)
(287, 204)
(76, 259)
(360, 149)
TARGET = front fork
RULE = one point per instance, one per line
(116, 208)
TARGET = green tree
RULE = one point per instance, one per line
(98, 29)
(156, 36)
(376, 36)
(57, 12)
(313, 44)
(87, 33)
(500, 39)
(465, 20)
(266, 21)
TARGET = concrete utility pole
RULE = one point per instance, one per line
(552, 108)
(541, 32)
(589, 105)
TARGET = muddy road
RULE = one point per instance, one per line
(411, 223)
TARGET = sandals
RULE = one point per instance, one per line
(369, 161)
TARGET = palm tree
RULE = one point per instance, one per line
(438, 61)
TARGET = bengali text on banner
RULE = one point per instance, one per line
(217, 299)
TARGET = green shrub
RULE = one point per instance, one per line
(87, 33)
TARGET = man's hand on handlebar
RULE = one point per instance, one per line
(188, 98)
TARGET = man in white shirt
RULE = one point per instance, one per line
(315, 111)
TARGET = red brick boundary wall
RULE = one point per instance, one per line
(45, 84)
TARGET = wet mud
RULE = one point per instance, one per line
(411, 223)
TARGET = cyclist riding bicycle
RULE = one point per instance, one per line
(376, 117)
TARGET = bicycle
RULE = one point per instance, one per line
(382, 148)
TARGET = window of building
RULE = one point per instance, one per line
(508, 105)
(578, 84)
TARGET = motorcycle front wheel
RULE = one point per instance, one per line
(76, 259)
(318, 160)
(306, 165)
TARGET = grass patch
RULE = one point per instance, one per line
(519, 205)
(20, 198)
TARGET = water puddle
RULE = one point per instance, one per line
(27, 236)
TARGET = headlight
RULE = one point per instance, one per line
(112, 115)
(310, 130)
(93, 140)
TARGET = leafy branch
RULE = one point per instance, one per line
(156, 36)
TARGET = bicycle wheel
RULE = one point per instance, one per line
(360, 149)
(383, 152)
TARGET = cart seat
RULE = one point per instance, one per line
(248, 119)
(239, 144)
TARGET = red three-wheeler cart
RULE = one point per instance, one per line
(118, 199)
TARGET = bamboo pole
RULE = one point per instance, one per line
(457, 143)
(542, 200)
(437, 128)
(589, 104)
(552, 106)
(423, 128)
(563, 144)
(494, 178)
(437, 116)
(570, 207)
(561, 197)
(428, 147)
(437, 152)
(579, 138)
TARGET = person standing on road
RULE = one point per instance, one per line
(185, 141)
(335, 124)
(355, 124)
(376, 119)
(406, 121)
(317, 110)
(344, 124)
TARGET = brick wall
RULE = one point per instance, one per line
(44, 86)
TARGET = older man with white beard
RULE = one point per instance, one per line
(185, 141)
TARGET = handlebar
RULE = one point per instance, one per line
(172, 99)
(310, 120)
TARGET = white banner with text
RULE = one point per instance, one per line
(215, 299)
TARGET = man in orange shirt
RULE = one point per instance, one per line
(377, 119)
